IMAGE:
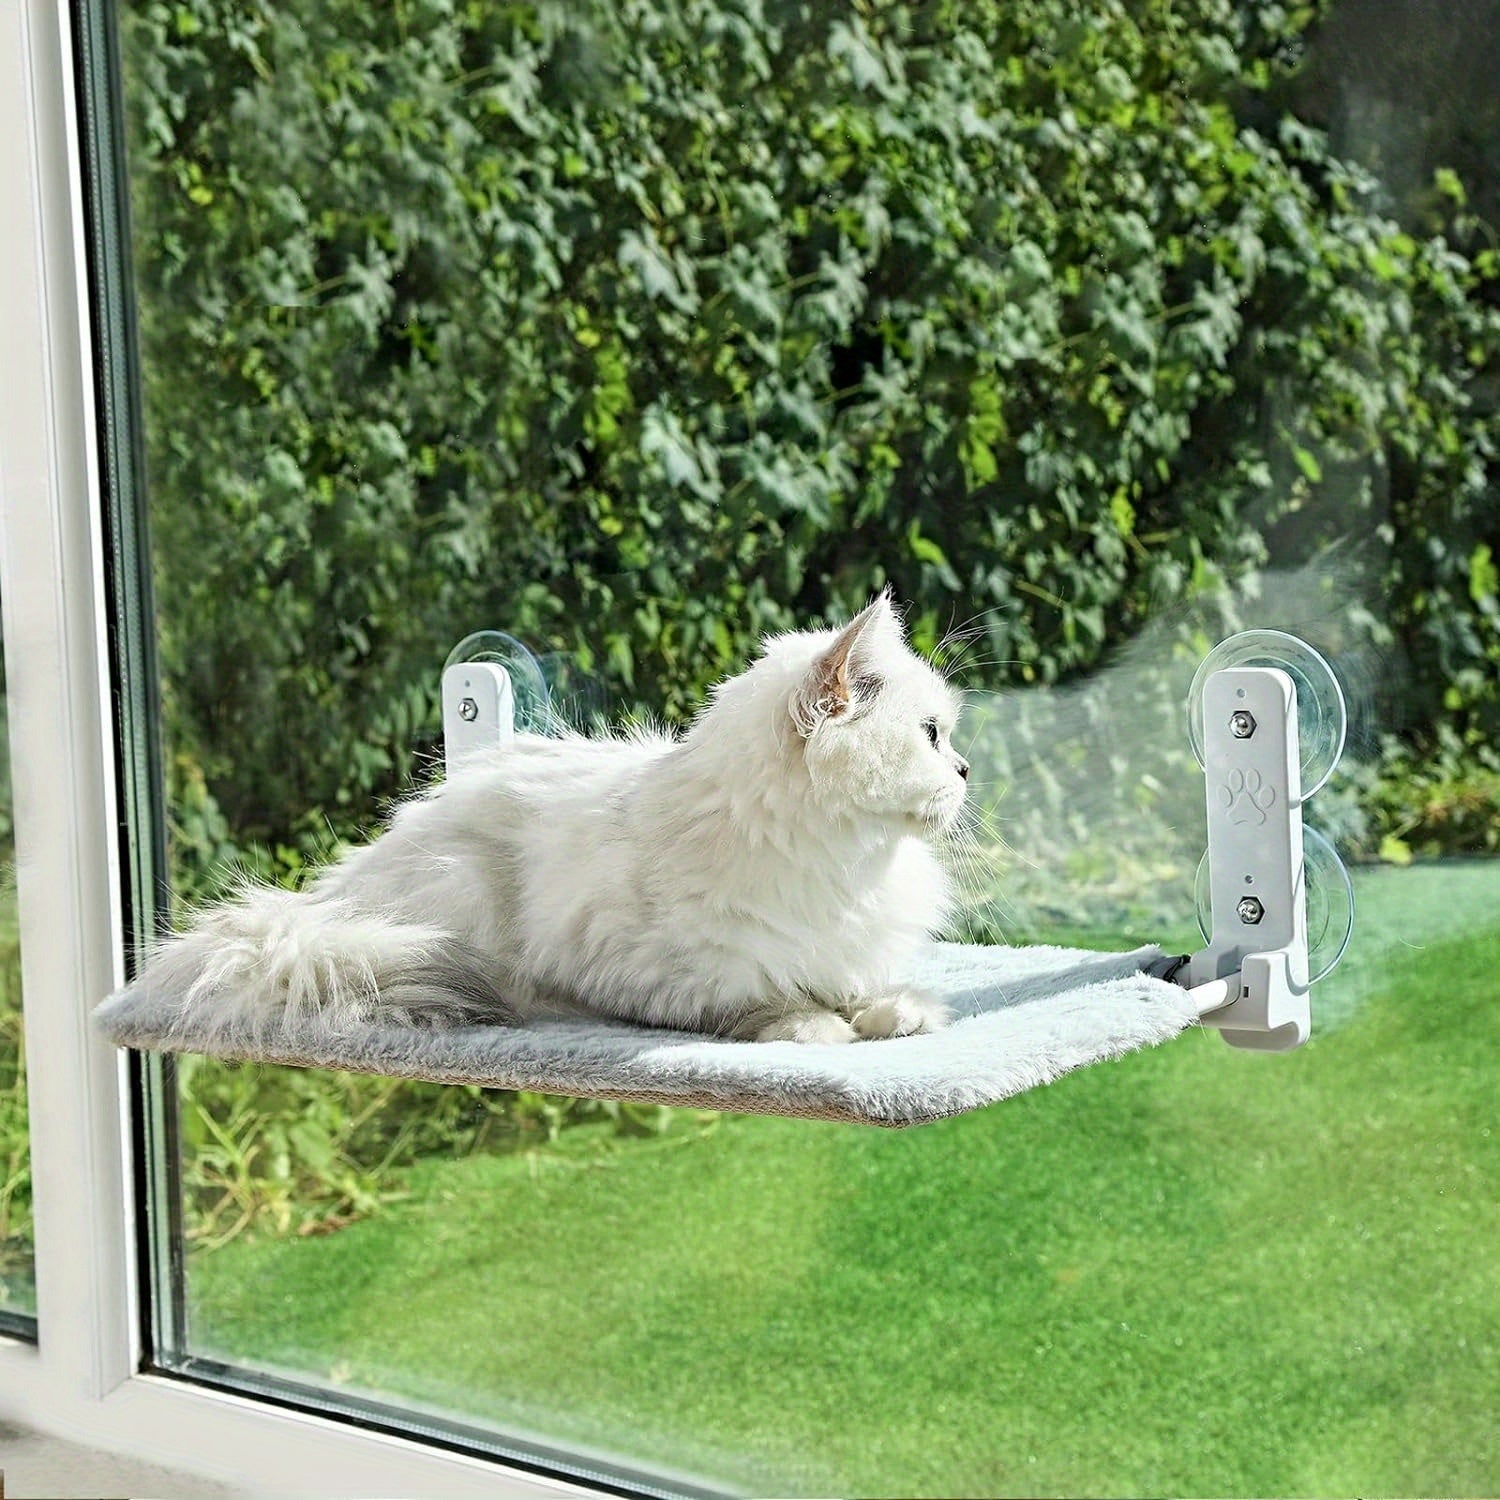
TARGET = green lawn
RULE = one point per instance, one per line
(1191, 1272)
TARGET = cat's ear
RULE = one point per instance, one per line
(845, 675)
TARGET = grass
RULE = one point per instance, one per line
(1191, 1272)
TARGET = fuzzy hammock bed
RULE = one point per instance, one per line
(1021, 1017)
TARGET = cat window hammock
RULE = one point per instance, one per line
(1266, 719)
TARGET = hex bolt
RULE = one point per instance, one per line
(1250, 910)
(1242, 725)
(468, 710)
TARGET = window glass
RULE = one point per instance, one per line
(640, 331)
(17, 1285)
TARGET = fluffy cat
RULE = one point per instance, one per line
(764, 877)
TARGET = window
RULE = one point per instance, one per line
(17, 1282)
(637, 332)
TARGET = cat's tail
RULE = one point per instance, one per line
(273, 958)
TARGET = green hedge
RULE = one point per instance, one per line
(641, 329)
(15, 1153)
(306, 1151)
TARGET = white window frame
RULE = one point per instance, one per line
(82, 1379)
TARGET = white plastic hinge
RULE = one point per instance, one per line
(1252, 978)
(478, 711)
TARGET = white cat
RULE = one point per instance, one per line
(764, 877)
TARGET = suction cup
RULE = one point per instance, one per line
(1330, 902)
(533, 701)
(1322, 717)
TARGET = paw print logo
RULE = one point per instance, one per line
(1245, 796)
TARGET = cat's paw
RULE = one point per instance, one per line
(807, 1026)
(903, 1013)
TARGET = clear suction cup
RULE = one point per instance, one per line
(1322, 718)
(1330, 902)
(533, 701)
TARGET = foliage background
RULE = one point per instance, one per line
(640, 329)
(16, 1281)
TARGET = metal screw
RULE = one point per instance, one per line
(1242, 725)
(1250, 910)
(468, 710)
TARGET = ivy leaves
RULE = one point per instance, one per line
(641, 329)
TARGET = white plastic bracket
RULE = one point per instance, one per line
(1252, 978)
(479, 711)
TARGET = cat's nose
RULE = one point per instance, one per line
(963, 768)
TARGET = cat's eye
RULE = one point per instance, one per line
(930, 726)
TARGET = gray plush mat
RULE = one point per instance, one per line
(1022, 1017)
